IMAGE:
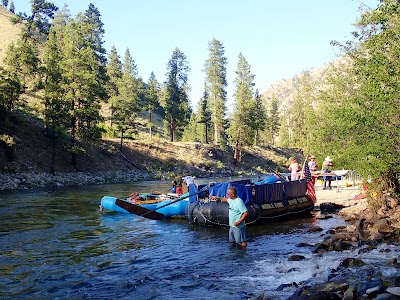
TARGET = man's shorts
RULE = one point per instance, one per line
(237, 235)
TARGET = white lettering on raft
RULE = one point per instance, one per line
(272, 205)
(280, 204)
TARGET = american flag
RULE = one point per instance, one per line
(310, 184)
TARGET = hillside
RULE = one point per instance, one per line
(29, 152)
(8, 32)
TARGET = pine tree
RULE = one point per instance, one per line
(215, 68)
(12, 7)
(81, 84)
(129, 100)
(95, 36)
(258, 116)
(273, 124)
(204, 117)
(22, 62)
(241, 127)
(176, 100)
(10, 90)
(5, 3)
(56, 108)
(39, 22)
(151, 99)
(114, 74)
(190, 133)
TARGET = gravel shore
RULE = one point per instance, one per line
(342, 195)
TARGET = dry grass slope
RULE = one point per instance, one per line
(8, 32)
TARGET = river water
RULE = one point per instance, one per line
(57, 244)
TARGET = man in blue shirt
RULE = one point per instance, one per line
(237, 215)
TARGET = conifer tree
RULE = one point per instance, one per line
(273, 124)
(80, 83)
(5, 3)
(22, 62)
(241, 128)
(129, 100)
(10, 90)
(204, 117)
(95, 36)
(258, 116)
(12, 7)
(191, 132)
(56, 108)
(151, 99)
(176, 100)
(215, 68)
(42, 12)
(114, 74)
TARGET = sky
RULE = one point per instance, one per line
(279, 39)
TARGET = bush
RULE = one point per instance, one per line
(7, 142)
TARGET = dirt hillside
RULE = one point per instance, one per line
(30, 151)
(8, 32)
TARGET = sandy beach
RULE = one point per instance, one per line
(342, 195)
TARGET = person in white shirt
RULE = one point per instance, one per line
(188, 180)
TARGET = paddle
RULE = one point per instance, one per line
(138, 210)
(277, 174)
(152, 213)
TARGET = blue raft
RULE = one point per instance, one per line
(265, 200)
(177, 209)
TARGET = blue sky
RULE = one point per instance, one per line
(279, 39)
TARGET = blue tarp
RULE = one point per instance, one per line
(261, 193)
(244, 188)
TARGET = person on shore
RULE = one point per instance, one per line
(327, 167)
(188, 180)
(177, 184)
(237, 215)
(294, 169)
(313, 166)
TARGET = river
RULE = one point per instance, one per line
(57, 244)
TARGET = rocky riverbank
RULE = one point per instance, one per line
(366, 231)
(39, 180)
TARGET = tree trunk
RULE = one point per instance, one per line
(171, 130)
(53, 154)
(121, 139)
(151, 126)
(216, 134)
(236, 154)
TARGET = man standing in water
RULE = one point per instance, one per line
(237, 215)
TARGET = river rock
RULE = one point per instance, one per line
(349, 294)
(351, 262)
(394, 290)
(393, 262)
(386, 296)
(393, 202)
(323, 291)
(373, 286)
(296, 258)
(315, 229)
(386, 229)
(328, 207)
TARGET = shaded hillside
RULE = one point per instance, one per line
(30, 151)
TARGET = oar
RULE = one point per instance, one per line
(151, 213)
(138, 210)
(177, 200)
(277, 174)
